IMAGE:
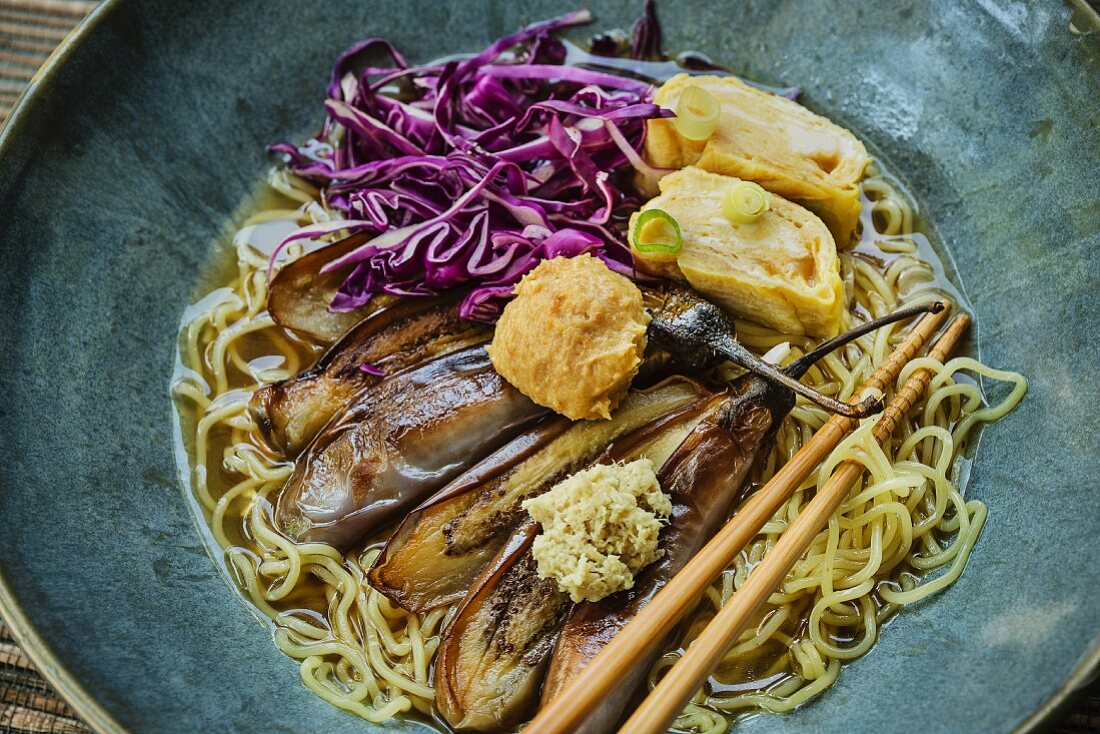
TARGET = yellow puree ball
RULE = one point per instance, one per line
(573, 337)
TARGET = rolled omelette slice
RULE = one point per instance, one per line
(772, 141)
(781, 270)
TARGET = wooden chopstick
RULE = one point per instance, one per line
(681, 594)
(668, 698)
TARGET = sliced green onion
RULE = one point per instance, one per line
(697, 113)
(656, 231)
(744, 202)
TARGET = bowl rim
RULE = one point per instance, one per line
(83, 703)
(91, 711)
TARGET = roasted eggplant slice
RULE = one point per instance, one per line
(291, 412)
(493, 654)
(398, 442)
(705, 477)
(299, 295)
(434, 555)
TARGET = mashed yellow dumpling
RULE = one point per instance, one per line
(573, 337)
(599, 528)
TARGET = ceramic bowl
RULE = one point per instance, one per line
(146, 131)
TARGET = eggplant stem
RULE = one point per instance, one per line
(735, 352)
(687, 324)
(789, 377)
(800, 366)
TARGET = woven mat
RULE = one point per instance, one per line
(29, 31)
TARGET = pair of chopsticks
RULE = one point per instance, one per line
(585, 692)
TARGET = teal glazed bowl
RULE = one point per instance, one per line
(147, 130)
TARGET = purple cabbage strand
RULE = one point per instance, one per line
(472, 171)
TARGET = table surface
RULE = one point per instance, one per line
(29, 31)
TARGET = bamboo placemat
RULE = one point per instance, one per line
(29, 31)
(27, 703)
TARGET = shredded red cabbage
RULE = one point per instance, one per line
(370, 369)
(472, 171)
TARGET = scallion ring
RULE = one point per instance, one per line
(656, 231)
(697, 113)
(745, 202)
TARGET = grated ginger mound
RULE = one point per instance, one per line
(600, 526)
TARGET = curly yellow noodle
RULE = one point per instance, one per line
(355, 649)
(904, 532)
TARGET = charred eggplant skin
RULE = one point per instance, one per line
(291, 412)
(402, 571)
(299, 295)
(706, 477)
(436, 552)
(398, 442)
(494, 652)
(678, 328)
